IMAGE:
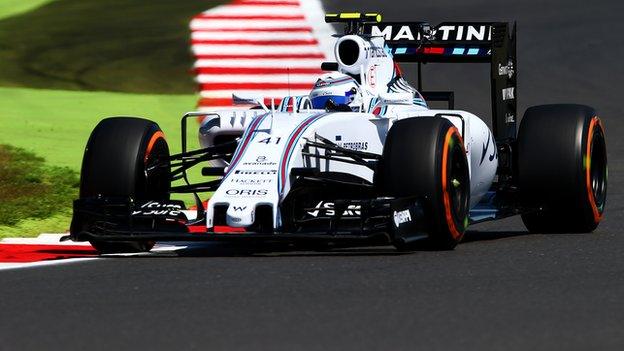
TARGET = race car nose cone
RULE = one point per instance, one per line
(240, 215)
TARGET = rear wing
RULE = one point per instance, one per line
(452, 42)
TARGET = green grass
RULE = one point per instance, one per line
(116, 45)
(32, 227)
(56, 125)
(31, 189)
(10, 8)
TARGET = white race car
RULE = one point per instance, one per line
(361, 160)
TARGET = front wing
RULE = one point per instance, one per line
(383, 221)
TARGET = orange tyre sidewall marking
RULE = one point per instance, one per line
(150, 145)
(450, 221)
(590, 194)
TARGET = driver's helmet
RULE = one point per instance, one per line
(336, 91)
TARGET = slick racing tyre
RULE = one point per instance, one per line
(425, 156)
(114, 165)
(562, 165)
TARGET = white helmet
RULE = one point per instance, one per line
(336, 90)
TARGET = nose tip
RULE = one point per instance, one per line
(240, 215)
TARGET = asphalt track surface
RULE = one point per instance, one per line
(502, 289)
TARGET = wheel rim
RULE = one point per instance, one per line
(458, 182)
(598, 168)
(454, 184)
(157, 179)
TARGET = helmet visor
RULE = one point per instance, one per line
(320, 102)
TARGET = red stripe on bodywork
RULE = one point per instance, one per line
(218, 229)
(226, 229)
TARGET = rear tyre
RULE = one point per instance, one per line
(425, 156)
(562, 165)
(115, 161)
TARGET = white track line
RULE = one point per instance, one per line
(43, 239)
(16, 265)
(53, 240)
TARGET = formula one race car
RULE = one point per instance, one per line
(361, 160)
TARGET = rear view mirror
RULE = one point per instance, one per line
(396, 98)
(249, 99)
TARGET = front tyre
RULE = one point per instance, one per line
(425, 156)
(115, 164)
(562, 165)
